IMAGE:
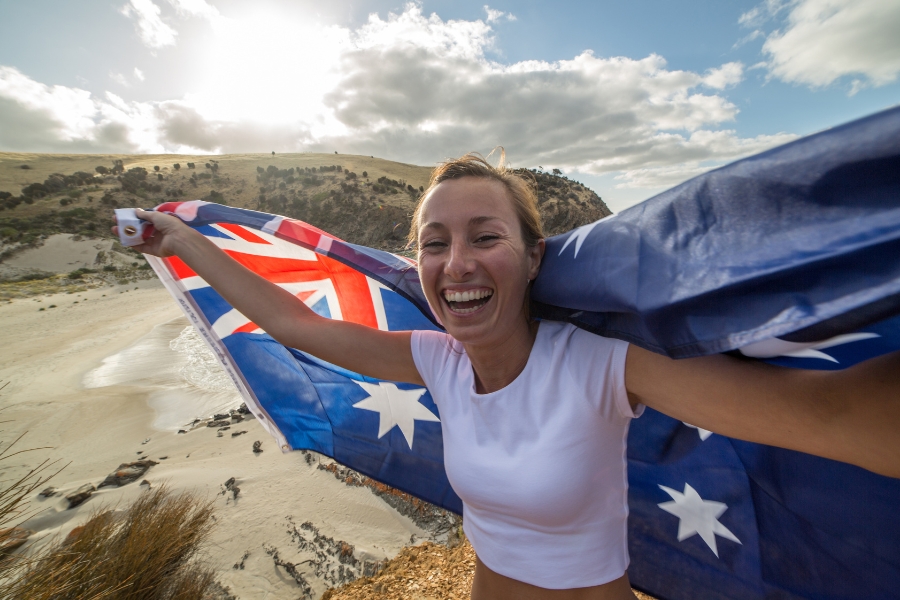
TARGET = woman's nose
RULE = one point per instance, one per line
(459, 262)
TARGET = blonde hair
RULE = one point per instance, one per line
(472, 164)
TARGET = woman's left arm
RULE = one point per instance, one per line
(851, 415)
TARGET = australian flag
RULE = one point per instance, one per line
(791, 256)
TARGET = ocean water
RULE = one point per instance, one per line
(182, 376)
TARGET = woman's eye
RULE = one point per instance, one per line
(432, 244)
(486, 238)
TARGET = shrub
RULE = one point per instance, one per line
(176, 166)
(24, 167)
(35, 190)
(366, 174)
(35, 277)
(191, 165)
(148, 551)
(79, 273)
(102, 170)
(156, 167)
(110, 268)
(216, 197)
(133, 179)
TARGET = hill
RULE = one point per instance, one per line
(364, 200)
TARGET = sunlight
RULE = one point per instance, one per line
(267, 68)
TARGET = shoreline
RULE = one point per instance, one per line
(45, 360)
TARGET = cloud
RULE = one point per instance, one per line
(725, 76)
(195, 8)
(138, 74)
(41, 118)
(494, 16)
(822, 41)
(150, 27)
(408, 87)
(119, 78)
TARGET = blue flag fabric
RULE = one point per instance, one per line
(732, 260)
(799, 242)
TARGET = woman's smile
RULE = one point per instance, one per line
(463, 302)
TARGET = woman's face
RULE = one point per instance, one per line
(473, 263)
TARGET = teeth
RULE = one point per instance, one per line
(467, 296)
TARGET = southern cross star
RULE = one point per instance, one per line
(778, 347)
(395, 407)
(696, 515)
(703, 433)
(578, 235)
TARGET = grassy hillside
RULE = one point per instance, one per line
(361, 199)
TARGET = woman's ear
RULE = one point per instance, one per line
(535, 256)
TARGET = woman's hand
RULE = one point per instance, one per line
(169, 233)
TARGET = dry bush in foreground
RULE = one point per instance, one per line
(148, 552)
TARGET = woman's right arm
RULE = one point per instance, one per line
(365, 350)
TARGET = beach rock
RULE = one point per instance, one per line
(128, 472)
(231, 486)
(12, 538)
(48, 492)
(182, 431)
(80, 495)
(236, 418)
(243, 410)
(221, 423)
(257, 447)
(240, 565)
(220, 417)
(237, 433)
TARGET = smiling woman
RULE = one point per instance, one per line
(535, 415)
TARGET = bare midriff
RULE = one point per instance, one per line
(489, 585)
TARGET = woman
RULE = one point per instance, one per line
(535, 414)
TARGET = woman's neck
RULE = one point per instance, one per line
(497, 365)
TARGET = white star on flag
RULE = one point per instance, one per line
(777, 347)
(578, 235)
(703, 433)
(697, 515)
(395, 407)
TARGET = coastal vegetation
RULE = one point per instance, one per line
(152, 549)
(364, 200)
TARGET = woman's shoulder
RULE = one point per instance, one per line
(433, 351)
(564, 335)
(583, 352)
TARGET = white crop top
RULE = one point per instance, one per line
(540, 464)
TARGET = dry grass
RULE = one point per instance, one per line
(148, 552)
(428, 571)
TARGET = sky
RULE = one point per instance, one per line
(630, 98)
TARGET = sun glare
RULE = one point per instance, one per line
(269, 68)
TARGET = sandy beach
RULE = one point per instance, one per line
(109, 376)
